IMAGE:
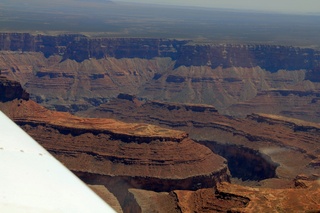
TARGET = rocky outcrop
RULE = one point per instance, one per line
(208, 200)
(132, 147)
(121, 155)
(127, 132)
(294, 124)
(257, 147)
(139, 162)
(233, 198)
(10, 90)
(279, 200)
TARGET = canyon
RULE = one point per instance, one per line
(257, 147)
(172, 125)
(139, 167)
(74, 72)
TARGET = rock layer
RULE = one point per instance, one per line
(120, 155)
(102, 152)
(112, 148)
(75, 72)
(279, 200)
(257, 147)
(80, 48)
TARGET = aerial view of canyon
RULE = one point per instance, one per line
(171, 106)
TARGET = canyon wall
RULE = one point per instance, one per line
(258, 147)
(79, 48)
(151, 168)
(74, 72)
(116, 154)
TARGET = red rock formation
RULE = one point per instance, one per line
(257, 147)
(113, 148)
(128, 157)
(280, 200)
(207, 200)
(120, 155)
(74, 72)
(10, 90)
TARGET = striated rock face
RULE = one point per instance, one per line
(121, 155)
(279, 200)
(268, 57)
(75, 72)
(258, 147)
(80, 48)
(233, 198)
(208, 200)
(140, 167)
(300, 104)
(112, 148)
(73, 86)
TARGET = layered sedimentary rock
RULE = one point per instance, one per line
(298, 103)
(136, 162)
(234, 198)
(106, 147)
(74, 72)
(73, 86)
(304, 199)
(120, 155)
(80, 48)
(208, 200)
(257, 147)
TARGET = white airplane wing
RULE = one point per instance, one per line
(32, 180)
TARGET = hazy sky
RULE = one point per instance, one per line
(286, 6)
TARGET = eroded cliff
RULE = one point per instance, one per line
(120, 155)
(151, 168)
(257, 147)
(75, 72)
(79, 48)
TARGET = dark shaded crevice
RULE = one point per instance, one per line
(118, 186)
(244, 163)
